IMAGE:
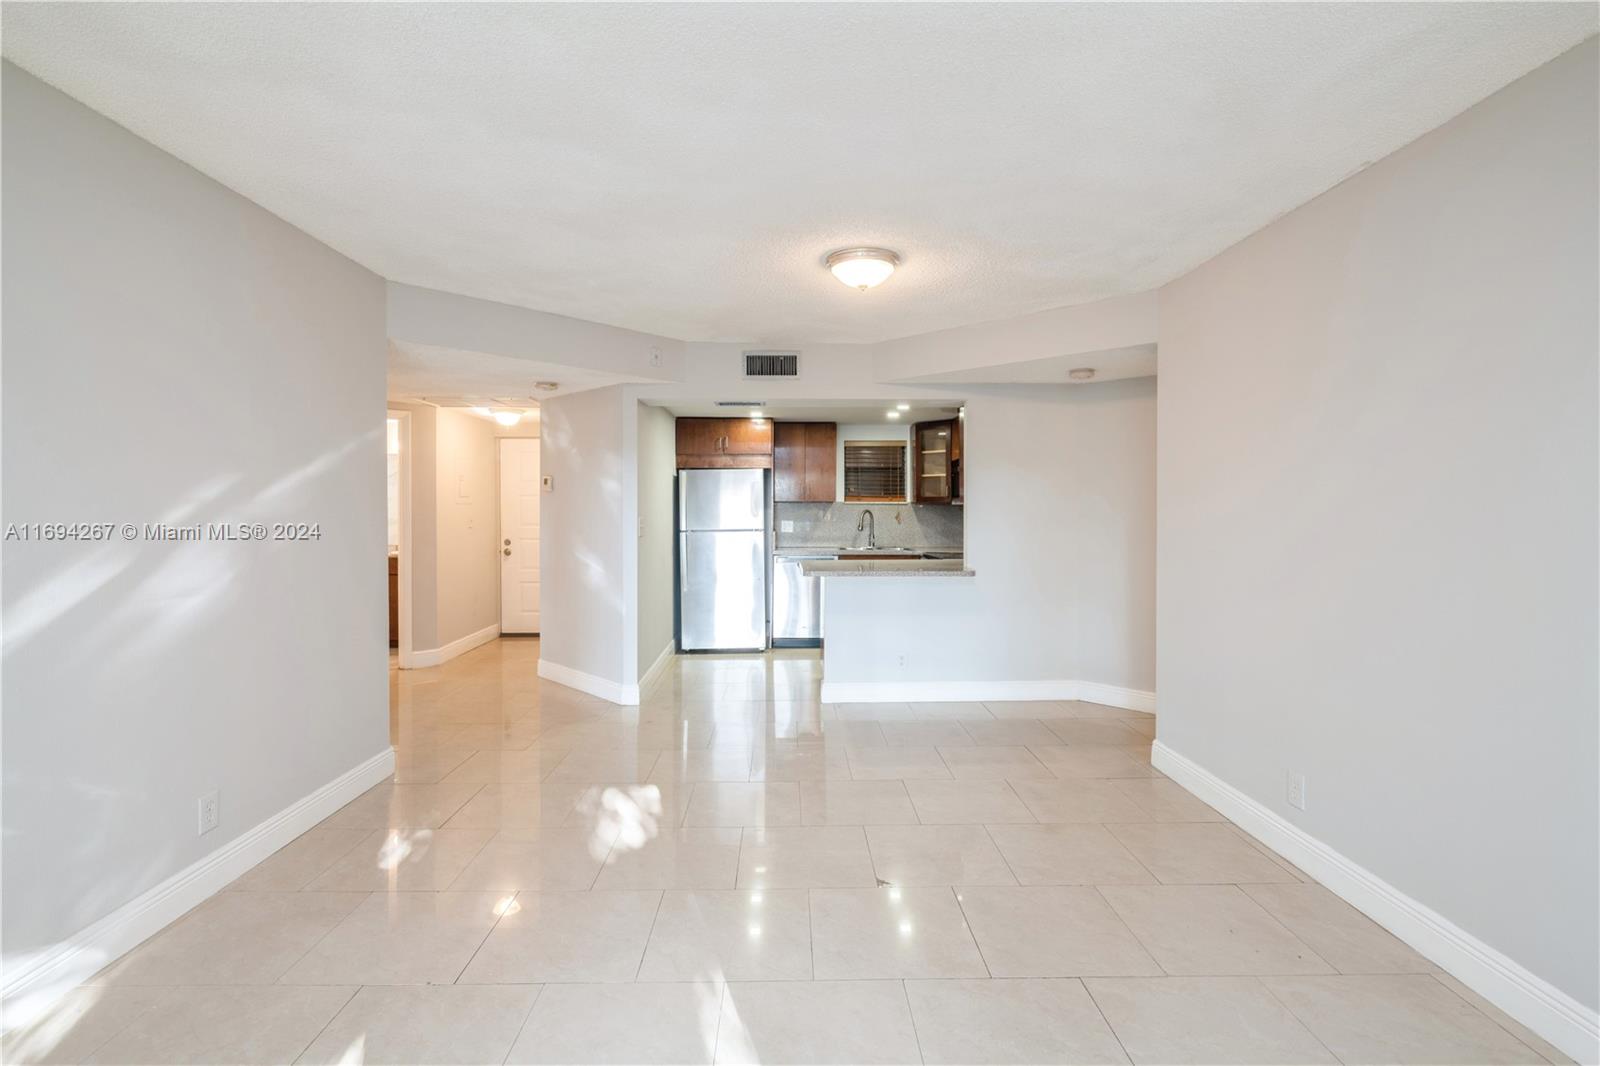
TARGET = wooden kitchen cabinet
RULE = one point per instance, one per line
(724, 443)
(805, 462)
(932, 445)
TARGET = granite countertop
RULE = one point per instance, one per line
(889, 552)
(886, 567)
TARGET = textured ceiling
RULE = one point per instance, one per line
(683, 169)
(420, 371)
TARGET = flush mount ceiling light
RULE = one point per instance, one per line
(546, 386)
(508, 418)
(891, 415)
(1082, 373)
(863, 268)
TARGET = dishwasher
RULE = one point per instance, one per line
(796, 602)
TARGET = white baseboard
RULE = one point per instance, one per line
(1528, 998)
(657, 668)
(443, 654)
(605, 688)
(34, 983)
(985, 692)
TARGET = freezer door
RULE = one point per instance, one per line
(724, 590)
(796, 602)
(722, 499)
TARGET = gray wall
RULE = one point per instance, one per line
(1060, 499)
(658, 461)
(584, 622)
(1377, 519)
(174, 353)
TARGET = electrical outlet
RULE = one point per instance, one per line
(655, 356)
(785, 526)
(208, 812)
(1296, 788)
(901, 661)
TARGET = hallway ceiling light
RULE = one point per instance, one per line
(863, 268)
(902, 407)
(508, 418)
(891, 414)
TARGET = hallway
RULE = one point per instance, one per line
(734, 872)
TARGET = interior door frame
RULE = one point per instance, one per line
(406, 656)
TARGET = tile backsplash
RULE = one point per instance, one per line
(900, 525)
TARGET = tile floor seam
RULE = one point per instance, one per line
(526, 1018)
(644, 949)
(972, 933)
(912, 1014)
(995, 844)
(1535, 1051)
(1301, 1021)
(279, 980)
(1099, 891)
(331, 1019)
(498, 918)
(1112, 1029)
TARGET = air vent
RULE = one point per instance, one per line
(771, 364)
(741, 403)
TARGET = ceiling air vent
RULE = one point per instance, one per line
(771, 364)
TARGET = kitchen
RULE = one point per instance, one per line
(772, 501)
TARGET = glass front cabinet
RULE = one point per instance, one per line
(936, 461)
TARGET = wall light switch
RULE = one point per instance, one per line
(548, 483)
(786, 526)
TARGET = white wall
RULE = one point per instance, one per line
(1060, 486)
(174, 353)
(468, 525)
(657, 540)
(1377, 519)
(584, 531)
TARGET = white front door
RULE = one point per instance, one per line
(519, 535)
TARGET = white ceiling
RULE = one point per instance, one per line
(683, 169)
(423, 372)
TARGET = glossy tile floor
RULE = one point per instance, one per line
(733, 872)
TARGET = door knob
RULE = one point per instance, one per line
(508, 542)
(507, 551)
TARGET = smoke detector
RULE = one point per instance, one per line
(1081, 373)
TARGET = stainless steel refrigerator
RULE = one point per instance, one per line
(722, 560)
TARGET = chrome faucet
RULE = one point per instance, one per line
(869, 522)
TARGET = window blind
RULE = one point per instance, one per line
(874, 469)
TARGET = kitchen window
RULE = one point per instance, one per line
(875, 471)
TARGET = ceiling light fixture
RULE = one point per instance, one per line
(508, 418)
(1082, 373)
(891, 414)
(863, 268)
(546, 386)
(902, 407)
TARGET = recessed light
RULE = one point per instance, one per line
(1082, 373)
(547, 386)
(863, 268)
(891, 414)
(902, 407)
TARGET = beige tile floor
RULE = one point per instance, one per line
(734, 872)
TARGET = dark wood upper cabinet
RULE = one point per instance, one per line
(724, 443)
(822, 462)
(805, 462)
(932, 445)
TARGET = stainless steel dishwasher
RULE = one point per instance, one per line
(796, 602)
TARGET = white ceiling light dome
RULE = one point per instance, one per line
(863, 268)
